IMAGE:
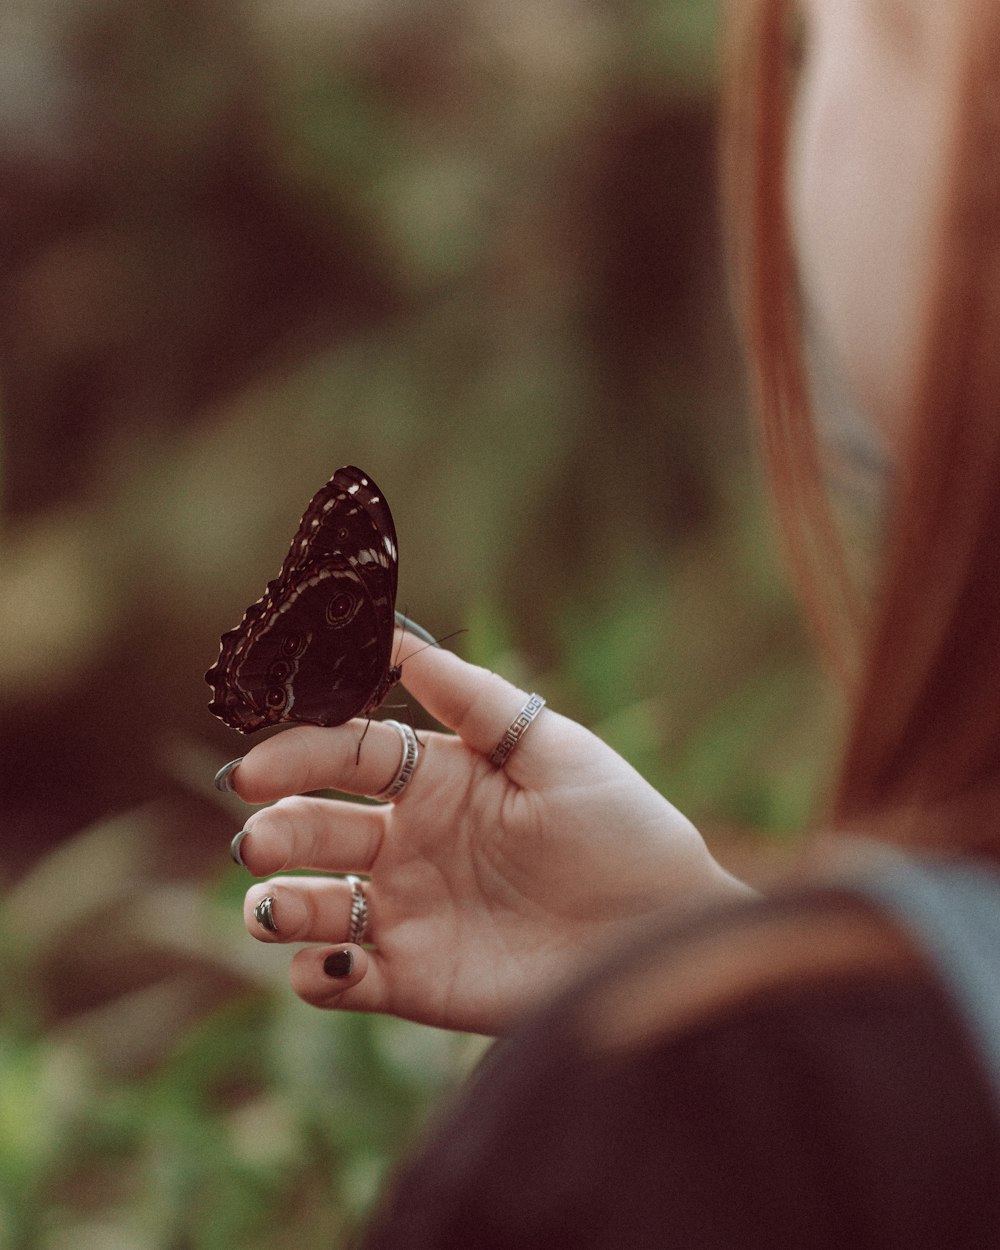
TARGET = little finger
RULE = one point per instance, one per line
(317, 975)
(357, 758)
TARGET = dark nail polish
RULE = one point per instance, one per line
(234, 848)
(264, 914)
(339, 964)
(223, 778)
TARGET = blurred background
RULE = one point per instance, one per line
(472, 246)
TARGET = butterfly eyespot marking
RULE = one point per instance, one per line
(279, 672)
(292, 645)
(340, 608)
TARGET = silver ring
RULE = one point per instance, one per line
(359, 910)
(515, 730)
(407, 763)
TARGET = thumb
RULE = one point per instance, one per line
(475, 702)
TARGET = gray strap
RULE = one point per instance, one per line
(953, 909)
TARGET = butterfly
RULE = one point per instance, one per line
(317, 646)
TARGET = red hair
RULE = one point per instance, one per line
(921, 657)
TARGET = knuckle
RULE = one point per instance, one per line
(299, 825)
(293, 832)
(499, 688)
(315, 913)
(288, 813)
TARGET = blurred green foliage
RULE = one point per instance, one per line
(473, 247)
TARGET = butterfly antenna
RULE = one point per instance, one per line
(418, 631)
(437, 643)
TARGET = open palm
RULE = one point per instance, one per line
(486, 886)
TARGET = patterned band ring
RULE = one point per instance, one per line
(359, 910)
(515, 730)
(407, 763)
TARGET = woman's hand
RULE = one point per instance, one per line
(486, 886)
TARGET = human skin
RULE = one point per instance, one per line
(488, 887)
(870, 152)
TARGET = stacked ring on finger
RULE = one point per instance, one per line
(359, 910)
(407, 763)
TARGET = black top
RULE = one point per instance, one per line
(839, 1112)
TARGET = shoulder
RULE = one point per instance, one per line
(782, 1074)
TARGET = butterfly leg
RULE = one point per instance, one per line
(364, 734)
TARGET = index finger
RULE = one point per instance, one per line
(354, 758)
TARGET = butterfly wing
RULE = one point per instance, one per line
(349, 517)
(317, 646)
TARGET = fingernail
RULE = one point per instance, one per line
(264, 914)
(234, 848)
(418, 631)
(339, 964)
(223, 778)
